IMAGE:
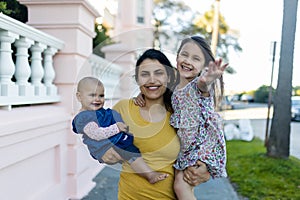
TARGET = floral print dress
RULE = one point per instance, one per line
(200, 130)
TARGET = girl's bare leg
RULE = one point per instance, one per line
(145, 171)
(183, 190)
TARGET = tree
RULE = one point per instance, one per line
(14, 9)
(278, 144)
(296, 91)
(101, 39)
(261, 95)
(165, 14)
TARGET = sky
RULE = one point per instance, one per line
(259, 23)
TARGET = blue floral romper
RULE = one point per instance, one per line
(200, 130)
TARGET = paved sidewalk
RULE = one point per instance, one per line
(107, 188)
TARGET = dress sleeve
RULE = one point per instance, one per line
(210, 116)
(93, 131)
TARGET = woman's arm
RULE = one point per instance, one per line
(196, 175)
(111, 157)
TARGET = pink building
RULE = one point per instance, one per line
(41, 158)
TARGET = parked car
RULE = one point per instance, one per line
(235, 97)
(247, 98)
(295, 108)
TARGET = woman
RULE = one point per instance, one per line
(154, 136)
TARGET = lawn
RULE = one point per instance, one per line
(256, 176)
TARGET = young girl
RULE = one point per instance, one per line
(198, 126)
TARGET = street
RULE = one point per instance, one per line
(257, 113)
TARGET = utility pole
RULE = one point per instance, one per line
(215, 32)
(270, 92)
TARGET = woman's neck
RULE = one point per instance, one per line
(154, 110)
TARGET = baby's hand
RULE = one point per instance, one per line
(210, 74)
(139, 100)
(122, 127)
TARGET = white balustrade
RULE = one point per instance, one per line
(24, 79)
(7, 67)
(49, 70)
(37, 70)
(23, 70)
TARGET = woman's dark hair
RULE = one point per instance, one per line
(218, 85)
(154, 54)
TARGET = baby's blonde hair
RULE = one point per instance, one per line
(88, 80)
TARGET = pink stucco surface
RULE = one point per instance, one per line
(41, 158)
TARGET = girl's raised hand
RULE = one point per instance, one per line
(209, 74)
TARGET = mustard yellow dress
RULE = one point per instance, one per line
(159, 146)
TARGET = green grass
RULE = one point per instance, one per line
(256, 176)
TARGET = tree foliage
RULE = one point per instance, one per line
(296, 91)
(101, 39)
(261, 95)
(14, 9)
(169, 18)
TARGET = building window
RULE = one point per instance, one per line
(140, 11)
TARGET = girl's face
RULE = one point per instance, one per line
(152, 78)
(91, 97)
(190, 61)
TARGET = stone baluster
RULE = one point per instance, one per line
(7, 66)
(37, 70)
(49, 71)
(23, 70)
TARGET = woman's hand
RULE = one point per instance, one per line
(139, 100)
(111, 157)
(197, 174)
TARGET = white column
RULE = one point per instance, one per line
(7, 66)
(49, 71)
(37, 70)
(23, 70)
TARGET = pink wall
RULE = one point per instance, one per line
(40, 156)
